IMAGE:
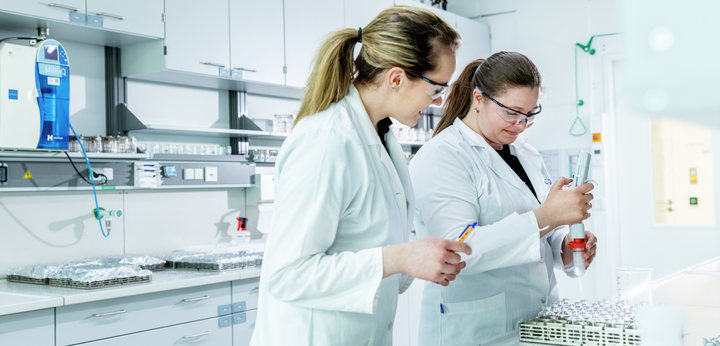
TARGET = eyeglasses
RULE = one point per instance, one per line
(512, 116)
(435, 89)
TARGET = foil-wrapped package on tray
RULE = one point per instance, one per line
(99, 275)
(142, 261)
(214, 261)
(40, 273)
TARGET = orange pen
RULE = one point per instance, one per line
(466, 232)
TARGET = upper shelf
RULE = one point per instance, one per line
(222, 133)
(217, 82)
(24, 25)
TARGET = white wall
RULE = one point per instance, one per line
(87, 83)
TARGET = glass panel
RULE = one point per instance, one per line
(682, 173)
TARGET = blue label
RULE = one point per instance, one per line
(52, 70)
(12, 94)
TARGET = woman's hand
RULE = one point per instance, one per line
(564, 207)
(431, 259)
(590, 249)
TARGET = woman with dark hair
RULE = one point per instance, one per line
(478, 168)
(338, 254)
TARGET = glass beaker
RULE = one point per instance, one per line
(634, 285)
(109, 145)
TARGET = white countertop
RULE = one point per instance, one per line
(21, 297)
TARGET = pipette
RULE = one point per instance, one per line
(577, 230)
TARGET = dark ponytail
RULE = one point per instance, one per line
(459, 100)
(493, 76)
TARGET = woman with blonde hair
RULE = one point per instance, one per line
(338, 254)
(478, 168)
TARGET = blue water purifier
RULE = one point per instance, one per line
(34, 96)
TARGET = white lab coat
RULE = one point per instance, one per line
(459, 179)
(339, 199)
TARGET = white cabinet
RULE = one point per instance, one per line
(61, 10)
(197, 36)
(476, 43)
(142, 17)
(307, 23)
(112, 317)
(359, 13)
(256, 40)
(35, 328)
(243, 327)
(210, 332)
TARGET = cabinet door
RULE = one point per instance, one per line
(107, 318)
(476, 43)
(142, 17)
(35, 328)
(360, 13)
(210, 332)
(52, 10)
(197, 36)
(244, 325)
(257, 40)
(306, 25)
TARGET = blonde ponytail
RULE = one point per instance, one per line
(330, 78)
(400, 36)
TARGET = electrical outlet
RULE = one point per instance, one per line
(211, 174)
(104, 170)
(199, 174)
(188, 174)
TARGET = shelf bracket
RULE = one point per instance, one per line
(130, 121)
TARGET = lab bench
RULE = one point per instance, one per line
(200, 308)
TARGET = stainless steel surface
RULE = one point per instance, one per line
(196, 335)
(212, 64)
(196, 299)
(74, 9)
(103, 14)
(110, 313)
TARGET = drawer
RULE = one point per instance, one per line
(206, 332)
(245, 294)
(35, 328)
(244, 325)
(113, 317)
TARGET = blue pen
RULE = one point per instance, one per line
(441, 310)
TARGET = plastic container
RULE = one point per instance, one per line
(634, 285)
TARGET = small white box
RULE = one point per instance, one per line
(198, 174)
(188, 174)
(211, 174)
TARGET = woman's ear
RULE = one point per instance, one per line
(394, 78)
(477, 96)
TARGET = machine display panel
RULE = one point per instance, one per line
(51, 52)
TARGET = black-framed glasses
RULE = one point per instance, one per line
(435, 89)
(513, 116)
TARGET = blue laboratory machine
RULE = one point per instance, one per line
(34, 96)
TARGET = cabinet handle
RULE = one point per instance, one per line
(110, 313)
(196, 335)
(254, 290)
(244, 69)
(196, 299)
(103, 14)
(213, 64)
(74, 9)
